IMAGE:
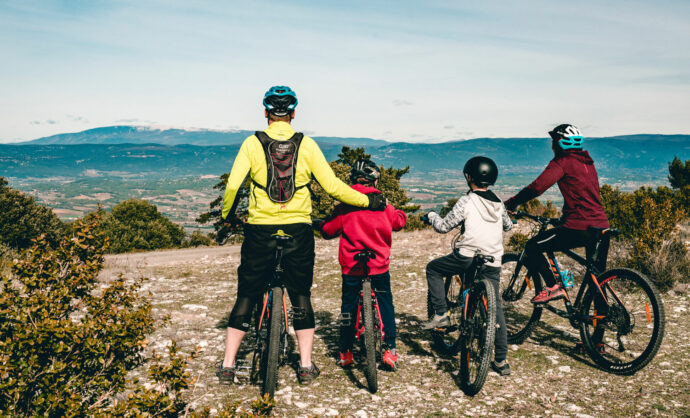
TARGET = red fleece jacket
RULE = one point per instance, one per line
(579, 184)
(364, 229)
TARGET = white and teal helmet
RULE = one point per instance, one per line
(567, 136)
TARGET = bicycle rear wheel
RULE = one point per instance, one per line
(479, 331)
(276, 321)
(369, 337)
(446, 341)
(630, 326)
(516, 290)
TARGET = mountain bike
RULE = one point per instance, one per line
(472, 310)
(370, 330)
(270, 324)
(619, 312)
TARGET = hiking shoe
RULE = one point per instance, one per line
(549, 294)
(226, 375)
(502, 370)
(390, 359)
(580, 347)
(306, 375)
(346, 359)
(438, 321)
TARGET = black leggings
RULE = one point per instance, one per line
(302, 312)
(561, 239)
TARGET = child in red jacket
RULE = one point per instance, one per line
(365, 229)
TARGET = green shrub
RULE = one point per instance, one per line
(679, 173)
(137, 225)
(535, 207)
(22, 219)
(198, 238)
(517, 241)
(648, 219)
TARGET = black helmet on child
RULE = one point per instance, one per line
(280, 100)
(482, 171)
(364, 169)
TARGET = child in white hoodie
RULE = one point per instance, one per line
(485, 218)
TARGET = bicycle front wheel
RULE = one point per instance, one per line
(516, 290)
(276, 321)
(623, 328)
(479, 331)
(369, 338)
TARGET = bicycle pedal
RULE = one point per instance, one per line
(243, 369)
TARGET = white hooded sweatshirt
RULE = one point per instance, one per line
(485, 219)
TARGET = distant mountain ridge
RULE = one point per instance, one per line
(148, 135)
(623, 158)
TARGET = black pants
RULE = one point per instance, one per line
(442, 269)
(561, 239)
(352, 286)
(257, 266)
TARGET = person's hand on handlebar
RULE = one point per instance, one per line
(425, 218)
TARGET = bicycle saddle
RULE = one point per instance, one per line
(365, 255)
(600, 233)
(282, 236)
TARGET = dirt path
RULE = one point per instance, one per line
(196, 287)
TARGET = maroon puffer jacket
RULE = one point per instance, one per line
(579, 184)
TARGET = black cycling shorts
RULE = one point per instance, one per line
(257, 266)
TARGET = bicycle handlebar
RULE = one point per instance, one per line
(543, 220)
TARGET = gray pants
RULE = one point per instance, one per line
(442, 269)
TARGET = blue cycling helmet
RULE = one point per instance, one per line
(280, 100)
(567, 136)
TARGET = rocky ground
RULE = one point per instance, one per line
(196, 288)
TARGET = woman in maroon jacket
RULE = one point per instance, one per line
(573, 170)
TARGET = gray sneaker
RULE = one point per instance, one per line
(226, 375)
(501, 369)
(438, 321)
(306, 375)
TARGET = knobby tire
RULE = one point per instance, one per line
(273, 348)
(637, 319)
(369, 337)
(481, 322)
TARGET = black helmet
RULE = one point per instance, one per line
(481, 170)
(280, 100)
(364, 169)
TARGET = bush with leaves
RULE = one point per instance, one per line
(535, 207)
(22, 219)
(67, 344)
(137, 225)
(199, 239)
(648, 219)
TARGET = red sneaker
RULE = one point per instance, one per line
(346, 359)
(549, 294)
(390, 359)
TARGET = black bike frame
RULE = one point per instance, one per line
(571, 311)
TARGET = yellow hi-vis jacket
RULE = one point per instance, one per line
(310, 161)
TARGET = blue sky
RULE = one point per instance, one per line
(398, 70)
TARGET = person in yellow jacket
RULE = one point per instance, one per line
(280, 163)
